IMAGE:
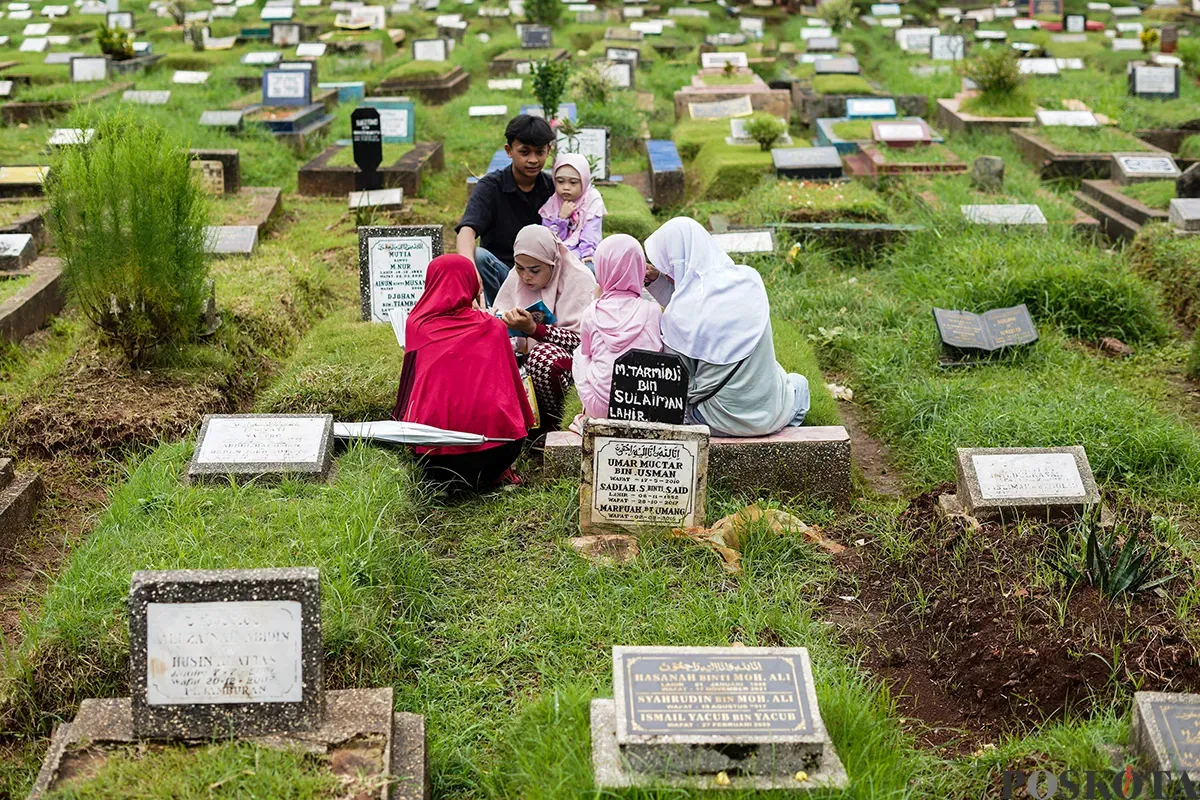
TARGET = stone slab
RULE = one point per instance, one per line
(178, 693)
(1184, 214)
(1131, 168)
(231, 165)
(640, 475)
(807, 163)
(350, 715)
(809, 460)
(837, 66)
(1004, 214)
(231, 120)
(1050, 482)
(263, 447)
(17, 251)
(612, 768)
(1165, 732)
(231, 240)
(19, 498)
(381, 199)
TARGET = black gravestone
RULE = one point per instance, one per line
(648, 387)
(965, 334)
(1187, 185)
(367, 137)
(535, 37)
(1074, 23)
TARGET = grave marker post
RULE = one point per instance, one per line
(367, 139)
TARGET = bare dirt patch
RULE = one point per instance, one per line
(974, 648)
(871, 455)
(99, 407)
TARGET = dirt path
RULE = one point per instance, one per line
(872, 456)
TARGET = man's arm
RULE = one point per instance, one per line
(465, 243)
(476, 218)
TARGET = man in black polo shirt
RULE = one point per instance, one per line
(507, 200)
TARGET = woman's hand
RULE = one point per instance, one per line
(520, 320)
(566, 210)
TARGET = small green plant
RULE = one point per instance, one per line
(115, 42)
(1193, 364)
(765, 129)
(550, 84)
(837, 13)
(728, 69)
(1112, 571)
(543, 12)
(591, 85)
(129, 222)
(1149, 39)
(995, 71)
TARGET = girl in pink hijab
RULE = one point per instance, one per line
(546, 271)
(575, 211)
(619, 321)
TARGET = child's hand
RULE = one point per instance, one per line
(520, 320)
(567, 209)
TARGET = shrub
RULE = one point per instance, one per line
(177, 10)
(995, 71)
(543, 12)
(1149, 39)
(115, 42)
(592, 85)
(1193, 363)
(838, 13)
(550, 84)
(620, 115)
(130, 224)
(765, 129)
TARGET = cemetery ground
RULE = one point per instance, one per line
(478, 612)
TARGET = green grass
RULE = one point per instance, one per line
(627, 212)
(841, 84)
(798, 201)
(985, 104)
(690, 135)
(347, 367)
(727, 171)
(727, 80)
(1190, 148)
(9, 287)
(1161, 256)
(917, 154)
(1153, 194)
(227, 770)
(419, 70)
(855, 130)
(1089, 140)
(391, 154)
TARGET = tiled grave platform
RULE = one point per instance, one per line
(808, 460)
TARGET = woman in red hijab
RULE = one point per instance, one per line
(460, 374)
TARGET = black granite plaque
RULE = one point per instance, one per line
(715, 695)
(535, 36)
(648, 387)
(964, 333)
(1074, 23)
(1179, 724)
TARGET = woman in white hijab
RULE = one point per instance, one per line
(719, 322)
